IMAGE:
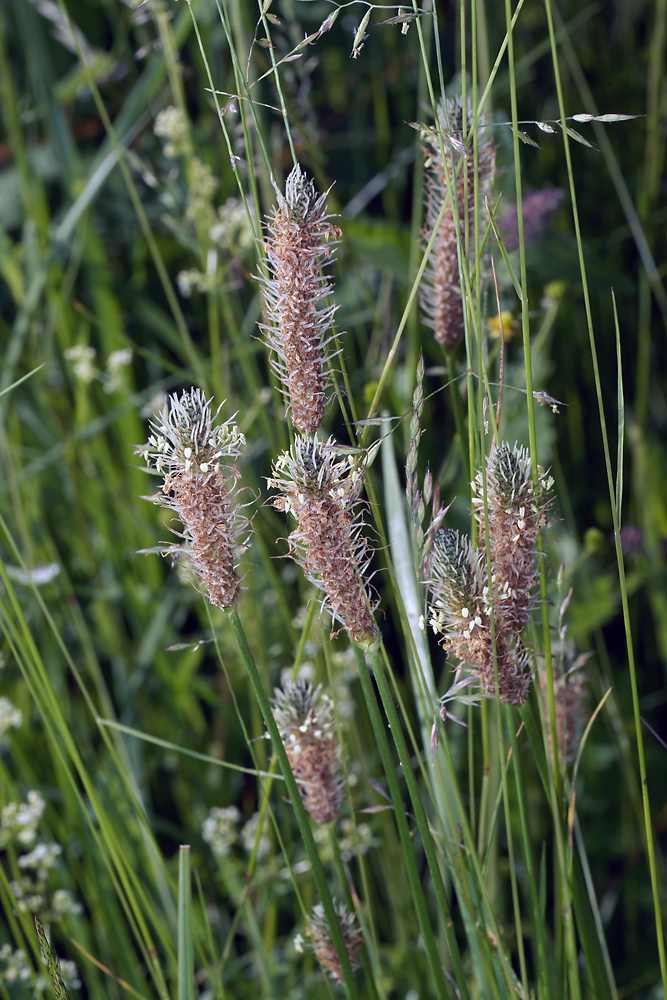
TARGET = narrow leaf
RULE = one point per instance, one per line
(378, 788)
(186, 969)
(621, 417)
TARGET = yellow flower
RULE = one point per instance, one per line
(509, 324)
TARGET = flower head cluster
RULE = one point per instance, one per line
(300, 240)
(19, 820)
(462, 598)
(440, 294)
(515, 516)
(307, 725)
(220, 829)
(10, 716)
(196, 460)
(322, 940)
(321, 490)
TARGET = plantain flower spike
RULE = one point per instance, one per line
(323, 945)
(196, 460)
(460, 615)
(307, 726)
(570, 700)
(440, 295)
(516, 515)
(320, 489)
(300, 242)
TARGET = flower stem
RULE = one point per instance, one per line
(435, 960)
(295, 797)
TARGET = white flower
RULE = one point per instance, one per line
(249, 834)
(219, 829)
(43, 857)
(82, 357)
(10, 716)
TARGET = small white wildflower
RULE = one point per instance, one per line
(10, 716)
(219, 829)
(21, 819)
(16, 968)
(249, 835)
(171, 124)
(70, 974)
(116, 363)
(64, 902)
(82, 358)
(232, 231)
(43, 856)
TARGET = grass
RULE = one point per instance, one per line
(145, 819)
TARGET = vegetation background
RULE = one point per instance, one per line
(126, 271)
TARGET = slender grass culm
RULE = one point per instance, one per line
(360, 732)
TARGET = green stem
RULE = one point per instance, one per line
(295, 797)
(457, 407)
(655, 888)
(401, 821)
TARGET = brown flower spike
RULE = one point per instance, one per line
(321, 490)
(440, 295)
(570, 700)
(516, 516)
(323, 945)
(462, 598)
(300, 241)
(308, 728)
(199, 485)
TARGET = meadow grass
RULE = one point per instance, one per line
(408, 261)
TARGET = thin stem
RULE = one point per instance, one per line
(655, 888)
(378, 667)
(423, 917)
(295, 797)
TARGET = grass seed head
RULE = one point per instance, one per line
(323, 945)
(300, 241)
(460, 614)
(440, 295)
(307, 725)
(320, 489)
(196, 460)
(515, 516)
